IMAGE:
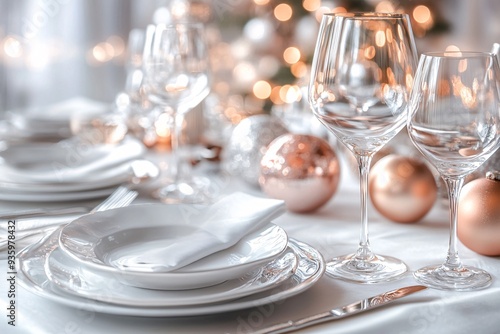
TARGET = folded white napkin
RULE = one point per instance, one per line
(222, 225)
(66, 162)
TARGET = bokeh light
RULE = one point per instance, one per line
(422, 14)
(299, 69)
(103, 52)
(291, 55)
(380, 38)
(283, 12)
(12, 47)
(385, 7)
(262, 89)
(311, 5)
(452, 48)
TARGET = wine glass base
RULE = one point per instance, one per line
(464, 278)
(375, 270)
(184, 192)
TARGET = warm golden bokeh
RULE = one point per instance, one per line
(291, 55)
(311, 5)
(283, 12)
(262, 89)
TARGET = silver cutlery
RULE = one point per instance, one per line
(342, 312)
(121, 197)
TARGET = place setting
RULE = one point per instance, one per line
(162, 260)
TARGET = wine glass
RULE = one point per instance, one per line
(361, 78)
(176, 77)
(455, 123)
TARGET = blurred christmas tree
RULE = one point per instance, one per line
(261, 50)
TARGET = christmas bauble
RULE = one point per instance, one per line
(248, 143)
(302, 170)
(479, 215)
(402, 189)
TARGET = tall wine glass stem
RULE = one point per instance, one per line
(454, 185)
(364, 252)
(175, 140)
(452, 274)
(364, 266)
(181, 187)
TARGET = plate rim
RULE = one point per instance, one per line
(219, 296)
(266, 297)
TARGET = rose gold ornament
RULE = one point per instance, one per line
(302, 170)
(479, 215)
(402, 189)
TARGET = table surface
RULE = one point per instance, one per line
(333, 230)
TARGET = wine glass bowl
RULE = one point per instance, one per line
(455, 123)
(177, 65)
(361, 78)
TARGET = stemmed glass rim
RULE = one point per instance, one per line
(367, 15)
(458, 54)
(153, 30)
(175, 25)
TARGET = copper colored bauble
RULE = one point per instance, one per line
(302, 170)
(402, 189)
(247, 145)
(479, 215)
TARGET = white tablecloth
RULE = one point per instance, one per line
(333, 230)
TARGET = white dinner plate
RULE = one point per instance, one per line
(107, 179)
(31, 275)
(79, 280)
(99, 240)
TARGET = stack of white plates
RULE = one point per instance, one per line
(95, 263)
(50, 122)
(64, 171)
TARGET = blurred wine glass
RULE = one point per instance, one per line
(135, 50)
(455, 123)
(140, 112)
(361, 78)
(176, 78)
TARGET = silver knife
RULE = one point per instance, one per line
(342, 312)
